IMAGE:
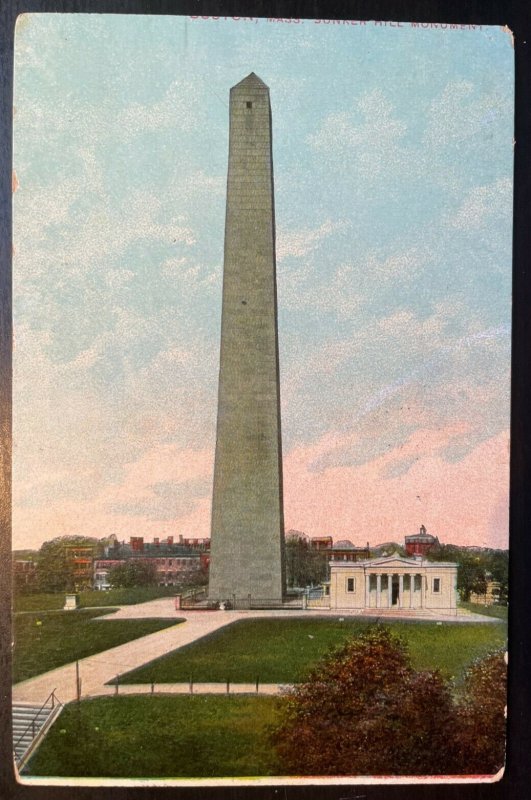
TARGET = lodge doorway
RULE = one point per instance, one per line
(395, 590)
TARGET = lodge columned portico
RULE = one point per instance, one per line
(391, 589)
(394, 583)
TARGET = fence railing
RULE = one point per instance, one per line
(319, 602)
(241, 603)
(193, 598)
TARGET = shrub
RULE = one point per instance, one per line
(481, 717)
(366, 711)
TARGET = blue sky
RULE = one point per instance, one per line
(393, 154)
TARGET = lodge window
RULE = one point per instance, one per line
(351, 584)
(436, 585)
(249, 104)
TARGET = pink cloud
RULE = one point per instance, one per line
(464, 502)
(165, 463)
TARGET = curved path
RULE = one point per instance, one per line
(95, 671)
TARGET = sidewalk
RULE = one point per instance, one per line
(195, 688)
(96, 670)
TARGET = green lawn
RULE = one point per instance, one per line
(283, 650)
(500, 612)
(160, 737)
(53, 638)
(88, 599)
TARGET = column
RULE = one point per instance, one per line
(378, 591)
(400, 591)
(390, 590)
(422, 591)
(367, 589)
(411, 589)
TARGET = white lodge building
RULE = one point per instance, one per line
(394, 583)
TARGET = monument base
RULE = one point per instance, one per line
(246, 602)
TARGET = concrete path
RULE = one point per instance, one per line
(95, 671)
(195, 688)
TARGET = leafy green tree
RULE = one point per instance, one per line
(304, 565)
(474, 566)
(364, 710)
(193, 577)
(55, 568)
(481, 716)
(134, 572)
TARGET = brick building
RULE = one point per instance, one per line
(421, 543)
(173, 562)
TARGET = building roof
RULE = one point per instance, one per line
(394, 560)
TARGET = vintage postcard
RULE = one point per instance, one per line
(262, 327)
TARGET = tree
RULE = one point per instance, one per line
(481, 716)
(134, 572)
(364, 710)
(473, 568)
(304, 565)
(56, 568)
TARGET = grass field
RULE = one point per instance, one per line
(89, 599)
(161, 737)
(500, 612)
(283, 650)
(51, 639)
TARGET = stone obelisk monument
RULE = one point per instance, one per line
(247, 538)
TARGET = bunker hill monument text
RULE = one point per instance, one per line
(247, 537)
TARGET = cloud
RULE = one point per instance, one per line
(386, 377)
(166, 501)
(367, 138)
(352, 286)
(483, 204)
(460, 502)
(299, 243)
(163, 485)
(174, 110)
(462, 114)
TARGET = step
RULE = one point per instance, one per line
(28, 724)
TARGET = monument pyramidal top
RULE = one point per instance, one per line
(251, 81)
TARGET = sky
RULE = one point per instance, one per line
(393, 157)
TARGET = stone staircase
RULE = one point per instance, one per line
(30, 724)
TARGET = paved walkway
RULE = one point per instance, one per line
(195, 688)
(95, 671)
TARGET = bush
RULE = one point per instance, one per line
(366, 711)
(481, 716)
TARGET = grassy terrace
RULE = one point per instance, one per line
(160, 737)
(283, 650)
(47, 640)
(90, 599)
